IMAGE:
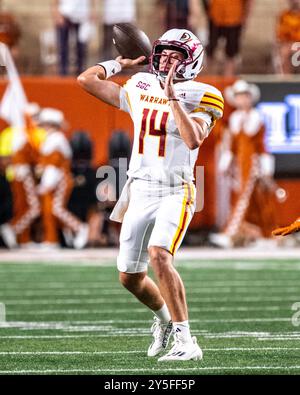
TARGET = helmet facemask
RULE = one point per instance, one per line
(156, 60)
(189, 60)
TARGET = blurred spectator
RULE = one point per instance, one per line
(83, 201)
(227, 19)
(22, 146)
(180, 14)
(5, 198)
(105, 231)
(56, 182)
(10, 32)
(253, 214)
(83, 196)
(73, 17)
(115, 11)
(288, 33)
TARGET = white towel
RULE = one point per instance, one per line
(122, 204)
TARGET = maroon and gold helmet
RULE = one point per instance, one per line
(180, 40)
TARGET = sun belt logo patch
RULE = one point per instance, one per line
(185, 37)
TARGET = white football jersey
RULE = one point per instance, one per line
(159, 153)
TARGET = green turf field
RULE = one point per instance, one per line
(77, 319)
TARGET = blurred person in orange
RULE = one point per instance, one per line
(22, 145)
(288, 36)
(5, 188)
(294, 227)
(253, 213)
(227, 19)
(56, 183)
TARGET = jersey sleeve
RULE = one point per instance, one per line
(211, 106)
(203, 115)
(124, 99)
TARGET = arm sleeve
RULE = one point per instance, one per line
(206, 117)
(202, 115)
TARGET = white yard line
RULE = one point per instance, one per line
(95, 256)
(76, 311)
(89, 353)
(104, 292)
(100, 309)
(221, 300)
(279, 339)
(120, 333)
(66, 353)
(114, 284)
(90, 325)
(50, 337)
(47, 302)
(140, 310)
(197, 289)
(151, 370)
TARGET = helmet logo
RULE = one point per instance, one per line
(185, 37)
(195, 46)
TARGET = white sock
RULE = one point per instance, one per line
(163, 314)
(183, 329)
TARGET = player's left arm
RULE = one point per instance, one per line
(192, 131)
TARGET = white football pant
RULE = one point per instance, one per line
(157, 215)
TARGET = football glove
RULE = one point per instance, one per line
(287, 230)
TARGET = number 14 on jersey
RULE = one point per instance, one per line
(149, 128)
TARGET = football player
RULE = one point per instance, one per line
(172, 116)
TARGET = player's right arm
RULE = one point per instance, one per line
(93, 80)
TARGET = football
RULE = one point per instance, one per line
(131, 42)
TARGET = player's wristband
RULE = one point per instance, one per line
(173, 99)
(111, 67)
